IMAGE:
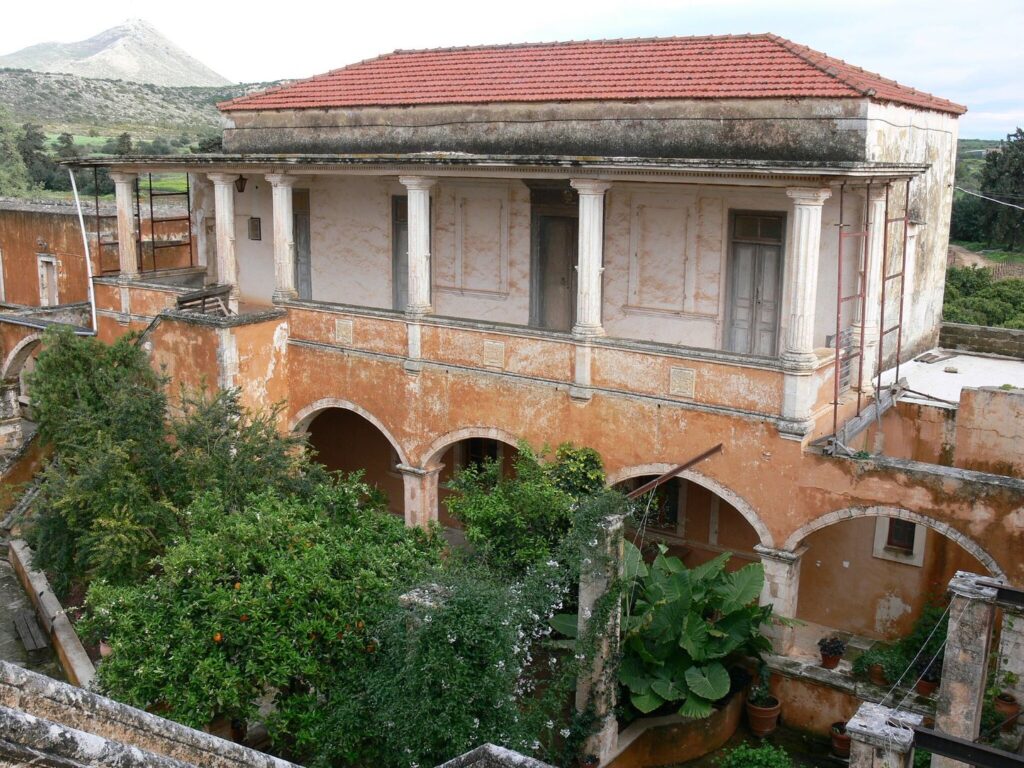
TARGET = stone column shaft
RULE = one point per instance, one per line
(419, 243)
(595, 689)
(802, 274)
(781, 590)
(590, 256)
(224, 213)
(284, 236)
(420, 494)
(127, 248)
(11, 434)
(965, 661)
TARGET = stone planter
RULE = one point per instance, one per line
(669, 740)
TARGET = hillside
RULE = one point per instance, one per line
(134, 51)
(81, 105)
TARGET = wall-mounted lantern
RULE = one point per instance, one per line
(240, 184)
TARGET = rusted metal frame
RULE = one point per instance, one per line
(839, 312)
(881, 312)
(902, 276)
(1005, 593)
(662, 479)
(965, 751)
(865, 243)
(188, 210)
(152, 224)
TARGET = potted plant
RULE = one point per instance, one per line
(832, 650)
(762, 708)
(840, 739)
(929, 679)
(1008, 707)
(880, 664)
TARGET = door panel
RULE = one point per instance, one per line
(755, 293)
(400, 251)
(556, 261)
(303, 253)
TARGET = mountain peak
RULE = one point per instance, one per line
(134, 51)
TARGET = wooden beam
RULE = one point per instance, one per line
(650, 486)
(980, 755)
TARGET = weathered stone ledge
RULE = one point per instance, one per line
(73, 658)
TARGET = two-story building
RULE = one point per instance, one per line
(649, 247)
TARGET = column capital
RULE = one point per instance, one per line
(973, 587)
(786, 556)
(590, 186)
(123, 177)
(223, 179)
(408, 469)
(876, 193)
(417, 182)
(281, 179)
(808, 195)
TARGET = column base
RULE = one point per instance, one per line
(588, 331)
(283, 296)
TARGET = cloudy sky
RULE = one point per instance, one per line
(970, 52)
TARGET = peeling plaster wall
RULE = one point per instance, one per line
(25, 234)
(903, 135)
(255, 257)
(990, 430)
(889, 595)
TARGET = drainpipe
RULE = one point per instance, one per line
(85, 244)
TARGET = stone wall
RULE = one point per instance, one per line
(1008, 342)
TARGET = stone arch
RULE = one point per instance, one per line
(436, 449)
(738, 502)
(849, 513)
(303, 418)
(15, 360)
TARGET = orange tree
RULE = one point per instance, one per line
(272, 598)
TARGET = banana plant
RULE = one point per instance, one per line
(683, 625)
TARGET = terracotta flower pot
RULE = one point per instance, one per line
(840, 740)
(876, 674)
(105, 649)
(763, 720)
(828, 661)
(1008, 708)
(926, 687)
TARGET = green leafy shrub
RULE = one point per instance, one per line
(516, 521)
(122, 473)
(684, 626)
(761, 756)
(275, 597)
(974, 298)
(891, 659)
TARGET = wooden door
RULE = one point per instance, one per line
(555, 282)
(303, 254)
(755, 284)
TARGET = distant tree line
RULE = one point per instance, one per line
(982, 221)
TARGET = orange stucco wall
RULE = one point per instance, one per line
(26, 234)
(990, 430)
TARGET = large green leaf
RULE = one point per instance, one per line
(696, 707)
(566, 623)
(709, 570)
(741, 587)
(632, 563)
(694, 637)
(709, 682)
(646, 702)
(668, 690)
(633, 675)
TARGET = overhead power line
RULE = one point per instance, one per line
(991, 199)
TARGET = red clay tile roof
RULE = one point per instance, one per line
(717, 67)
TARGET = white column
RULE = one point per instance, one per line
(124, 192)
(802, 275)
(224, 213)
(284, 236)
(874, 264)
(419, 243)
(590, 256)
(781, 590)
(11, 435)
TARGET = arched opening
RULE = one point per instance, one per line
(895, 561)
(469, 447)
(694, 521)
(347, 441)
(17, 423)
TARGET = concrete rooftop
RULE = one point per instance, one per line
(952, 371)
